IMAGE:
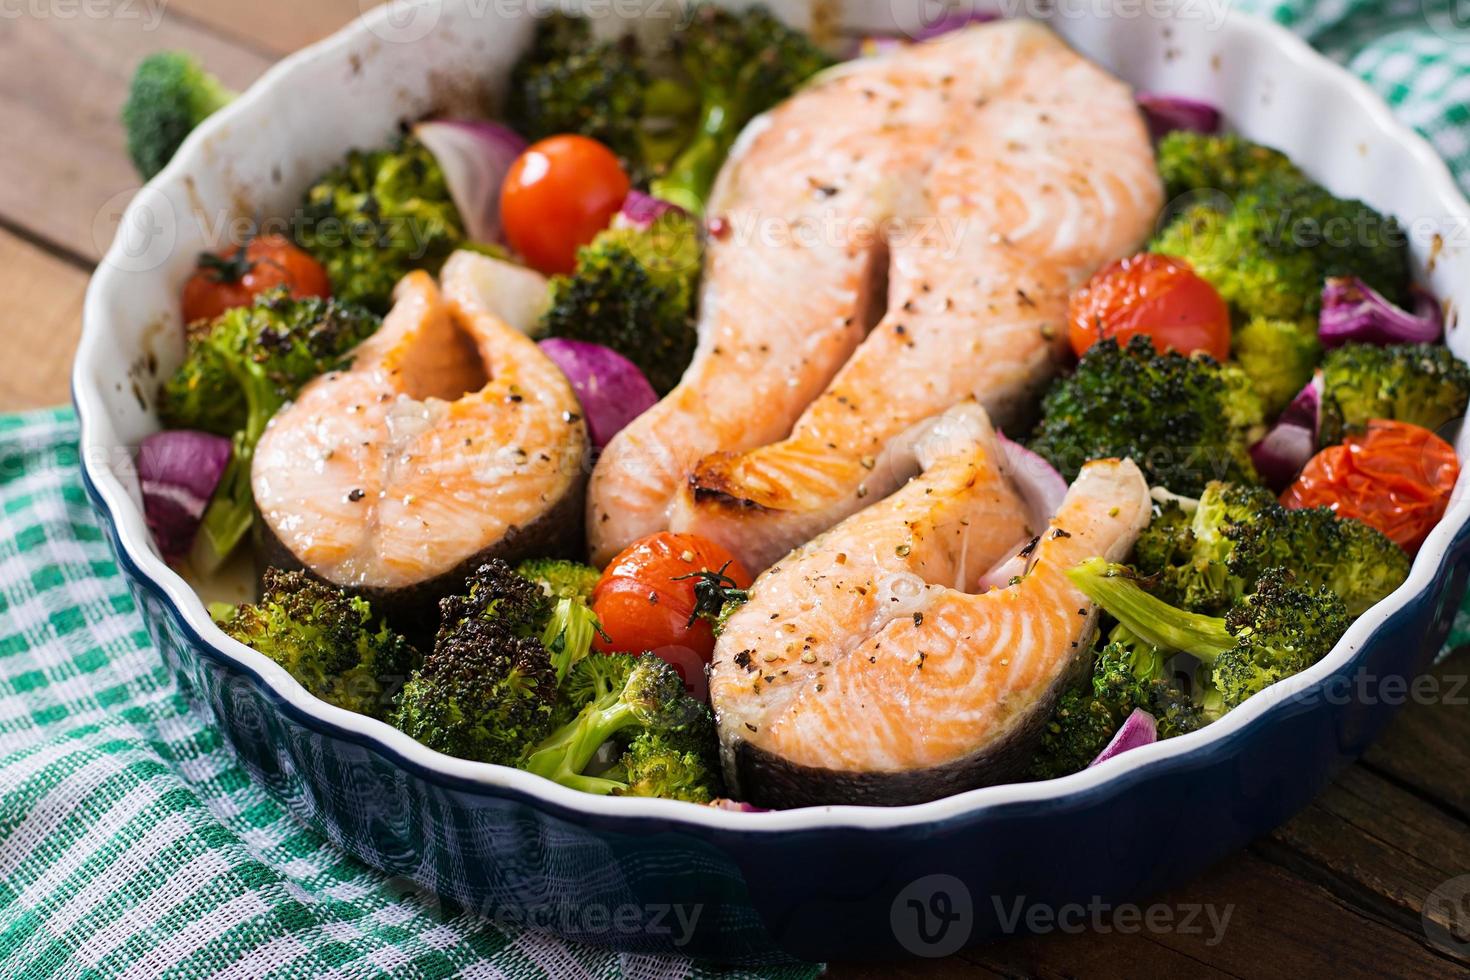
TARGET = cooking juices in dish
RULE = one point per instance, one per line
(835, 581)
(1003, 169)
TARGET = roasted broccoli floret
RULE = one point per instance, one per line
(326, 639)
(1276, 631)
(490, 686)
(561, 578)
(741, 63)
(1208, 560)
(569, 82)
(1423, 384)
(1226, 163)
(640, 704)
(171, 93)
(1278, 356)
(634, 290)
(377, 216)
(1127, 674)
(1183, 420)
(238, 370)
(1270, 250)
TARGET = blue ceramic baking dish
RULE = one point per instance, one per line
(660, 876)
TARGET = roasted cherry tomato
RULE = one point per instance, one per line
(232, 278)
(1154, 295)
(559, 194)
(1393, 476)
(650, 595)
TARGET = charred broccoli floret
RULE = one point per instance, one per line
(1127, 675)
(490, 686)
(1226, 163)
(1208, 560)
(1183, 420)
(741, 63)
(640, 704)
(1270, 250)
(171, 93)
(561, 578)
(1278, 356)
(238, 370)
(1423, 384)
(1273, 633)
(569, 82)
(634, 290)
(329, 641)
(377, 216)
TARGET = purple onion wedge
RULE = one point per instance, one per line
(1280, 455)
(475, 156)
(1139, 730)
(612, 390)
(1039, 483)
(178, 471)
(641, 210)
(1167, 113)
(1354, 312)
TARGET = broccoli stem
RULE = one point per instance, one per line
(1114, 587)
(231, 510)
(693, 171)
(564, 753)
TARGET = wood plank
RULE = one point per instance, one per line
(43, 313)
(65, 166)
(1427, 748)
(278, 26)
(1377, 847)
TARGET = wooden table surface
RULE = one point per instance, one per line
(1341, 890)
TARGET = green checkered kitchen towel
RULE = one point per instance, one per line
(131, 844)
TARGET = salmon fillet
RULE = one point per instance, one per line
(1042, 173)
(449, 434)
(861, 670)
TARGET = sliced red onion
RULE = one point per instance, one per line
(178, 471)
(1166, 113)
(1282, 453)
(953, 21)
(1040, 485)
(1139, 730)
(641, 210)
(475, 156)
(1352, 311)
(612, 390)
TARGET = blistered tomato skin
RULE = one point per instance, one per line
(1154, 295)
(645, 600)
(557, 196)
(1396, 477)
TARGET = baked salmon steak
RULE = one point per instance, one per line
(953, 193)
(863, 671)
(450, 439)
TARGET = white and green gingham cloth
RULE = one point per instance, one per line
(132, 844)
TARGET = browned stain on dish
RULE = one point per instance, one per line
(1215, 62)
(458, 94)
(1436, 245)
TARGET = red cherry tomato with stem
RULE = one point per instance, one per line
(557, 196)
(1155, 295)
(648, 596)
(236, 276)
